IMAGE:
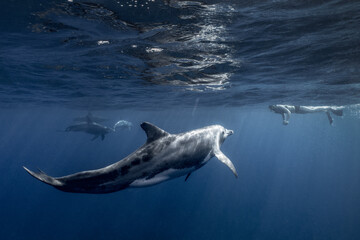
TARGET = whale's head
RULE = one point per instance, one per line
(223, 133)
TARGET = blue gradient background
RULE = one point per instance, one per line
(299, 181)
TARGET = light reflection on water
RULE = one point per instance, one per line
(250, 52)
(184, 53)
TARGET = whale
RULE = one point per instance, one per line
(164, 156)
(90, 127)
(97, 129)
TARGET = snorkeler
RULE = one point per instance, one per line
(286, 110)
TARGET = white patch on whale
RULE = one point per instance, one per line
(163, 176)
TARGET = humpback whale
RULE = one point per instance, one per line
(164, 156)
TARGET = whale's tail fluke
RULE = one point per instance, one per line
(44, 178)
(337, 112)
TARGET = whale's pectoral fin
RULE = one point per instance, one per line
(224, 159)
(102, 136)
(95, 137)
(153, 132)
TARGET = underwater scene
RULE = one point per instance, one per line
(171, 119)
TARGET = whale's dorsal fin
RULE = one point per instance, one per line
(225, 160)
(153, 132)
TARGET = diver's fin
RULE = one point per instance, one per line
(187, 176)
(44, 178)
(153, 132)
(95, 137)
(224, 159)
(329, 117)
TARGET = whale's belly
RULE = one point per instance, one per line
(167, 174)
(161, 177)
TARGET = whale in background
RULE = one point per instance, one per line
(97, 129)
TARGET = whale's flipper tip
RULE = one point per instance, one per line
(224, 159)
(44, 177)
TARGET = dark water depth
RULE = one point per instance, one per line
(295, 182)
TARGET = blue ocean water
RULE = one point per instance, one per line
(182, 65)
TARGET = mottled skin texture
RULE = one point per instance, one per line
(162, 151)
